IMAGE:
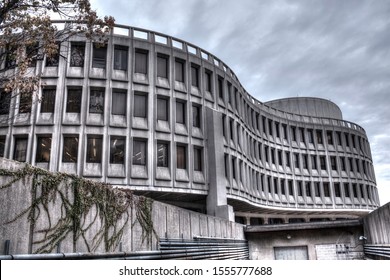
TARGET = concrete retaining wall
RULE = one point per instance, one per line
(377, 226)
(168, 221)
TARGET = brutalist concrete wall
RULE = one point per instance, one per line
(168, 222)
(377, 226)
(308, 106)
(322, 244)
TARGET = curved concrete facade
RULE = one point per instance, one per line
(308, 106)
(171, 121)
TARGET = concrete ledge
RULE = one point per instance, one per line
(301, 226)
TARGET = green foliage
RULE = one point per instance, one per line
(83, 205)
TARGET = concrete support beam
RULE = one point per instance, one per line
(216, 199)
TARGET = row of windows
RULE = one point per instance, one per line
(272, 185)
(120, 62)
(117, 151)
(305, 136)
(97, 100)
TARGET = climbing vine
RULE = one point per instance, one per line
(80, 206)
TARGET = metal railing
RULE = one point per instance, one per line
(381, 251)
(177, 249)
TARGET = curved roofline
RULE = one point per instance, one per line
(302, 97)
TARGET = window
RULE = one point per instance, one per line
(305, 161)
(353, 141)
(290, 187)
(270, 127)
(333, 163)
(196, 116)
(198, 161)
(284, 127)
(317, 189)
(179, 70)
(140, 107)
(2, 146)
(10, 57)
(195, 75)
(277, 130)
(20, 150)
(226, 162)
(323, 162)
(288, 159)
(25, 102)
(329, 136)
(313, 162)
(141, 61)
(32, 53)
(310, 136)
(162, 66)
(118, 106)
(319, 137)
(355, 190)
(73, 104)
(48, 100)
(231, 127)
(162, 109)
(5, 102)
(181, 157)
(342, 163)
(337, 189)
(43, 149)
(280, 157)
(77, 53)
(71, 148)
(223, 125)
(180, 112)
(346, 135)
(96, 101)
(234, 174)
(230, 95)
(94, 149)
(139, 152)
(208, 81)
(120, 57)
(293, 133)
(338, 133)
(308, 188)
(300, 188)
(350, 160)
(54, 60)
(282, 187)
(302, 134)
(326, 190)
(117, 149)
(296, 160)
(220, 87)
(162, 154)
(99, 56)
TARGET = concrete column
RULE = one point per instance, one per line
(216, 199)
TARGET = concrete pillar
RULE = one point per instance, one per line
(216, 199)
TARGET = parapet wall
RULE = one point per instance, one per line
(22, 237)
(308, 106)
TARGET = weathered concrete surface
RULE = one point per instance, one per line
(377, 226)
(325, 243)
(168, 221)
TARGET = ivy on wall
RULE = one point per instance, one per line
(75, 207)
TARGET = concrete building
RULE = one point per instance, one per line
(171, 121)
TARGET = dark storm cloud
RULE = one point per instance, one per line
(337, 50)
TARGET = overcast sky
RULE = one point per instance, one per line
(332, 49)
